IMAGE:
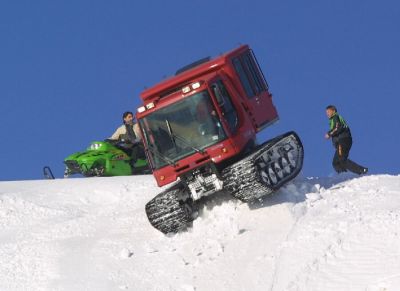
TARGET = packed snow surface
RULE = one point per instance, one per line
(340, 233)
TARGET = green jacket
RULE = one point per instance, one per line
(338, 128)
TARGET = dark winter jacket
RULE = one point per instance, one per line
(339, 129)
(130, 133)
(127, 132)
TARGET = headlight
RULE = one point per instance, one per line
(95, 146)
(185, 89)
(150, 105)
(196, 85)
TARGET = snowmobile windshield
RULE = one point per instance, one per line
(181, 129)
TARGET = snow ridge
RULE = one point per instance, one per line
(340, 233)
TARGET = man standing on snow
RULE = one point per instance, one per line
(342, 141)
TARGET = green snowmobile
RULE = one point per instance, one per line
(106, 158)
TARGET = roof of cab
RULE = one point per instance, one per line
(185, 77)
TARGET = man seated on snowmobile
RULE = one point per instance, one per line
(342, 141)
(128, 137)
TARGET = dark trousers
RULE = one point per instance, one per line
(134, 151)
(138, 152)
(341, 161)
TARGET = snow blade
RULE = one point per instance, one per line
(48, 174)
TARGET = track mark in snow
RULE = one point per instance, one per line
(347, 236)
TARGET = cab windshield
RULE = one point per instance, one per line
(181, 129)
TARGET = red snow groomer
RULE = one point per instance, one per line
(199, 130)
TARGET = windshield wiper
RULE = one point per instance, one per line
(160, 155)
(175, 136)
(171, 135)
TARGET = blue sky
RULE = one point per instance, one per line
(68, 69)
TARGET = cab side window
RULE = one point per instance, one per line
(225, 103)
(255, 76)
(243, 77)
(250, 75)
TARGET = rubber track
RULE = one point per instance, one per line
(243, 180)
(167, 213)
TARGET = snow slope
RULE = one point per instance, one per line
(338, 233)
